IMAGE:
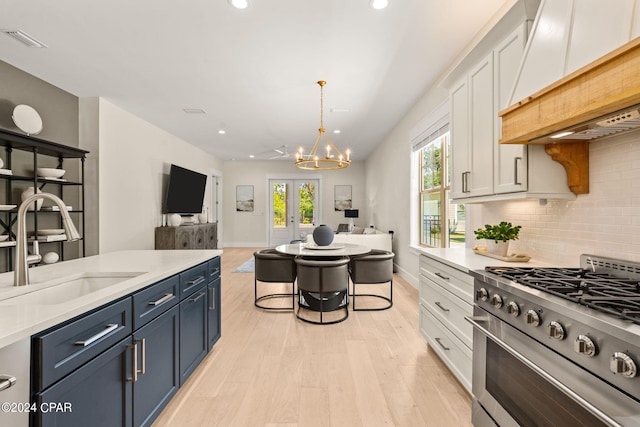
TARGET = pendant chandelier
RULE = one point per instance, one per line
(329, 158)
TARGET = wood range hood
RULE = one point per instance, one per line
(599, 100)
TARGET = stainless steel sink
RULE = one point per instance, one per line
(65, 289)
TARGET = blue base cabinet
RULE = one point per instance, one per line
(120, 364)
(158, 381)
(193, 332)
(213, 316)
(96, 394)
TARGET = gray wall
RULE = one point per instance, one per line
(58, 109)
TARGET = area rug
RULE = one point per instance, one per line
(247, 267)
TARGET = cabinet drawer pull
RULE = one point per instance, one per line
(134, 360)
(6, 381)
(442, 276)
(441, 307)
(165, 298)
(196, 298)
(110, 327)
(195, 281)
(214, 272)
(444, 347)
(143, 355)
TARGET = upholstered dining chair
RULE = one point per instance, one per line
(274, 267)
(323, 286)
(375, 267)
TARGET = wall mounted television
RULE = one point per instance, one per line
(185, 191)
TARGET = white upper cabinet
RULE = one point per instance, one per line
(482, 169)
(472, 132)
(510, 160)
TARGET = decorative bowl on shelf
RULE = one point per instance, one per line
(3, 237)
(50, 172)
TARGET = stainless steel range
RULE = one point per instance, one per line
(557, 346)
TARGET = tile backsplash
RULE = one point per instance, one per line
(604, 222)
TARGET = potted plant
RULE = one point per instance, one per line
(498, 236)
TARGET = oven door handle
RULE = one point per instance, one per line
(566, 390)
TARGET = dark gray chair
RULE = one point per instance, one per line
(323, 286)
(273, 267)
(375, 267)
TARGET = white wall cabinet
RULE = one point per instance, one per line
(472, 131)
(446, 297)
(482, 169)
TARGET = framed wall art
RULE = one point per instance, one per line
(342, 197)
(244, 198)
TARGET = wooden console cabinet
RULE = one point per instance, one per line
(197, 236)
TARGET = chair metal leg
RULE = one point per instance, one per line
(257, 300)
(386, 307)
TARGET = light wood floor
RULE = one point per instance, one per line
(270, 369)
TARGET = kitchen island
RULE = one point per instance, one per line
(113, 336)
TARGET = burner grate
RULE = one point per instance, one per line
(601, 291)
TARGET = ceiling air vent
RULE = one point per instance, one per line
(24, 38)
(194, 110)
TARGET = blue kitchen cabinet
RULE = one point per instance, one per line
(213, 313)
(193, 332)
(158, 341)
(94, 395)
(214, 299)
(120, 364)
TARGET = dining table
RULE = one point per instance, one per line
(312, 250)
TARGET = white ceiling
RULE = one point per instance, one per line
(253, 71)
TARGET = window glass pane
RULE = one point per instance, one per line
(307, 192)
(448, 158)
(432, 165)
(279, 205)
(457, 218)
(431, 224)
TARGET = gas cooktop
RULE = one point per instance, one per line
(608, 292)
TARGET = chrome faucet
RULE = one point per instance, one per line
(21, 270)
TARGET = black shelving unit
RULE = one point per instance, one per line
(37, 147)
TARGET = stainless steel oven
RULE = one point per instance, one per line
(539, 360)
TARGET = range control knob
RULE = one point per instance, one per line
(585, 345)
(482, 294)
(513, 309)
(532, 318)
(496, 300)
(620, 363)
(555, 330)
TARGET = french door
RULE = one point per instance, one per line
(293, 209)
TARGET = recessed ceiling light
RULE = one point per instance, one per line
(336, 131)
(194, 110)
(339, 110)
(24, 38)
(222, 131)
(239, 4)
(251, 156)
(379, 4)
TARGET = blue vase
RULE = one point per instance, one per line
(323, 235)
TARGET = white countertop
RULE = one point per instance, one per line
(465, 259)
(19, 319)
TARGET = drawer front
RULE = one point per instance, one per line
(455, 281)
(60, 351)
(214, 269)
(448, 309)
(155, 300)
(451, 350)
(193, 279)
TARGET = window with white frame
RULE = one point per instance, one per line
(441, 223)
